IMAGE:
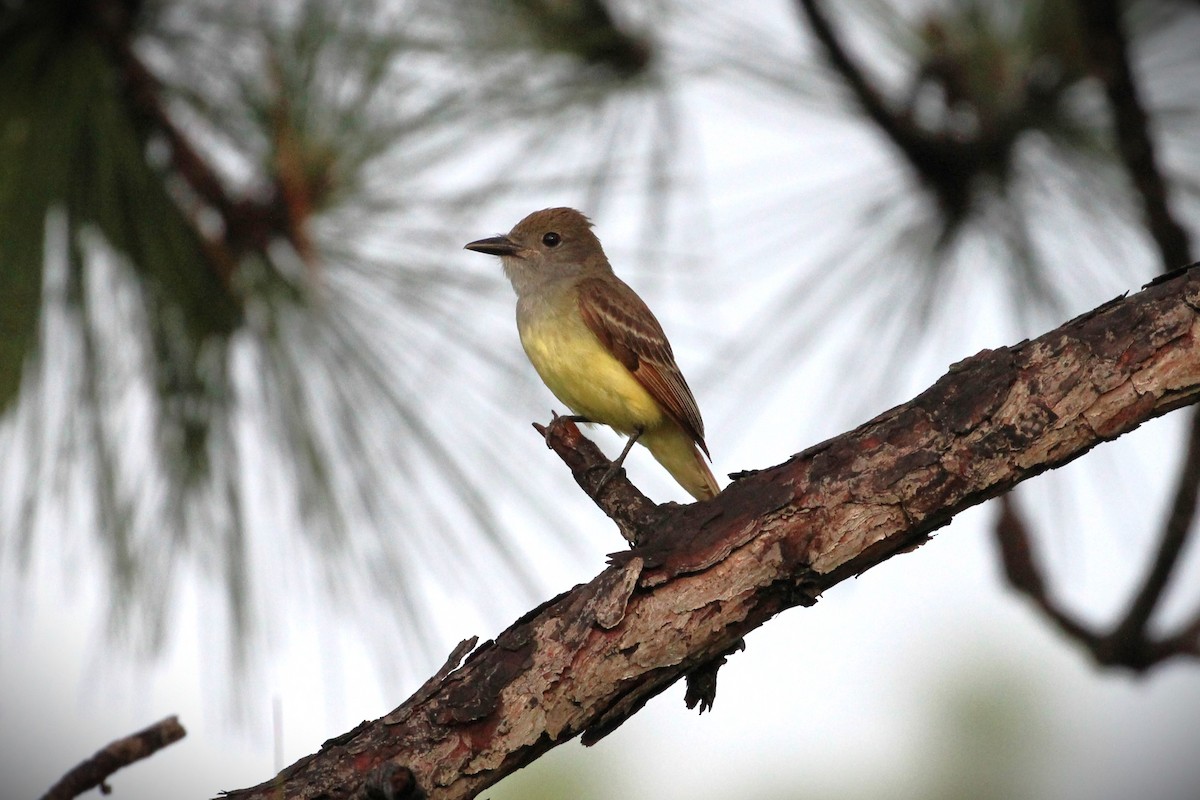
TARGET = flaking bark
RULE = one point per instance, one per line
(704, 575)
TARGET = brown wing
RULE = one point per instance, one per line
(625, 325)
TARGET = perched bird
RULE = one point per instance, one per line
(596, 345)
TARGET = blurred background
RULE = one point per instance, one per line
(265, 452)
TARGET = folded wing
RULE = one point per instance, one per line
(626, 326)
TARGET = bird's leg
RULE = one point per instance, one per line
(616, 465)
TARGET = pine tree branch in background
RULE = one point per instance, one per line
(584, 662)
(587, 30)
(1126, 645)
(899, 129)
(247, 225)
(1131, 633)
(121, 753)
(1129, 643)
(1109, 54)
(114, 25)
(1023, 573)
(946, 166)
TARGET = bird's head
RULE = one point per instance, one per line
(548, 245)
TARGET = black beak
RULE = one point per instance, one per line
(495, 246)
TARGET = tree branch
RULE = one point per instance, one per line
(712, 571)
(634, 513)
(1109, 54)
(945, 165)
(248, 225)
(1129, 643)
(1174, 536)
(121, 753)
(895, 126)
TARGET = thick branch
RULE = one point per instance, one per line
(710, 572)
(1129, 642)
(121, 753)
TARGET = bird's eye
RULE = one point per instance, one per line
(551, 239)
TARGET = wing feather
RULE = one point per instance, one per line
(627, 327)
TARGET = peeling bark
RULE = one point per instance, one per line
(706, 574)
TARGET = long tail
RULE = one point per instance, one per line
(675, 450)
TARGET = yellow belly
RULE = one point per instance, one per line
(583, 374)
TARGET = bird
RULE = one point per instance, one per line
(597, 346)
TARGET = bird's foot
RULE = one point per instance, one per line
(558, 419)
(609, 471)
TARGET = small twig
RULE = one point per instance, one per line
(118, 754)
(636, 517)
(620, 500)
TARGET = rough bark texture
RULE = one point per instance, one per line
(708, 573)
